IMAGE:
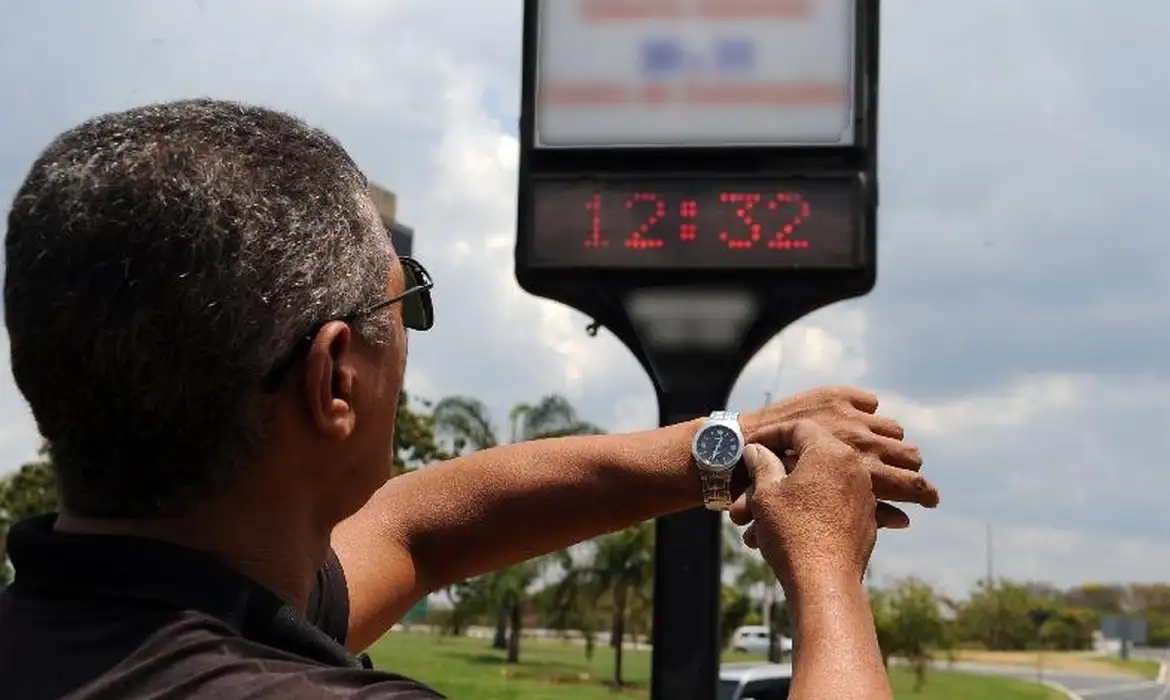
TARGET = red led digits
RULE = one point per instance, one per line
(637, 238)
(688, 209)
(744, 203)
(797, 205)
(594, 239)
(746, 221)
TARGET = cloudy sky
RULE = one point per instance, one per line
(1020, 322)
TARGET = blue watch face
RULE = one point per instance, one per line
(718, 446)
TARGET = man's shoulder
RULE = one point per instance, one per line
(200, 655)
(178, 654)
(240, 668)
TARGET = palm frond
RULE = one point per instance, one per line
(466, 422)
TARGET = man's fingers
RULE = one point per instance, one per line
(893, 452)
(875, 435)
(902, 485)
(861, 399)
(891, 517)
(749, 537)
(740, 512)
(886, 427)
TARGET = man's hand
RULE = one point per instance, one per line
(816, 528)
(849, 415)
(820, 521)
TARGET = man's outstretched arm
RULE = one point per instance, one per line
(485, 511)
(488, 510)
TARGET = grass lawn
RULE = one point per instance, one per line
(551, 670)
(1139, 667)
(1075, 661)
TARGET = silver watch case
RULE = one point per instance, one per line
(727, 419)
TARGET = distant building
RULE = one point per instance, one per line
(387, 205)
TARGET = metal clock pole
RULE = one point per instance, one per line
(694, 182)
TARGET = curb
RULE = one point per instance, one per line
(1162, 670)
(1067, 692)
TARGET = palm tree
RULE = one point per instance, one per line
(511, 590)
(466, 423)
(568, 607)
(469, 600)
(552, 416)
(621, 568)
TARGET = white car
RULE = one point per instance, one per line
(753, 639)
(754, 681)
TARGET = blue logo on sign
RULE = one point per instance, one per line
(664, 58)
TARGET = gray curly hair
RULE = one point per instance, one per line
(160, 261)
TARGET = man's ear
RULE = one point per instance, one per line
(330, 378)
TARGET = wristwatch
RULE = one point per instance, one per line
(717, 448)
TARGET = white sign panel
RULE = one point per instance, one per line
(625, 73)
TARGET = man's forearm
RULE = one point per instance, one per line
(494, 508)
(484, 511)
(836, 653)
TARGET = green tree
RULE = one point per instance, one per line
(510, 590)
(567, 607)
(30, 490)
(620, 568)
(415, 444)
(505, 594)
(1069, 628)
(996, 615)
(883, 622)
(1106, 599)
(914, 625)
(1149, 598)
(738, 608)
(468, 600)
(466, 424)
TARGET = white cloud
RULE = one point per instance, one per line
(1010, 407)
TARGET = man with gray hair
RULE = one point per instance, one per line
(208, 320)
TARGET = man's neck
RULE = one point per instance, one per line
(282, 556)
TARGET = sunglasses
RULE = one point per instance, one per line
(418, 311)
(418, 314)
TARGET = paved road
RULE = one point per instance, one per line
(1150, 653)
(1089, 687)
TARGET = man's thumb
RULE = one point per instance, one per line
(762, 463)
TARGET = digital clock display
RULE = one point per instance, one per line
(696, 224)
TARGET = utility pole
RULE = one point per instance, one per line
(990, 558)
(995, 620)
